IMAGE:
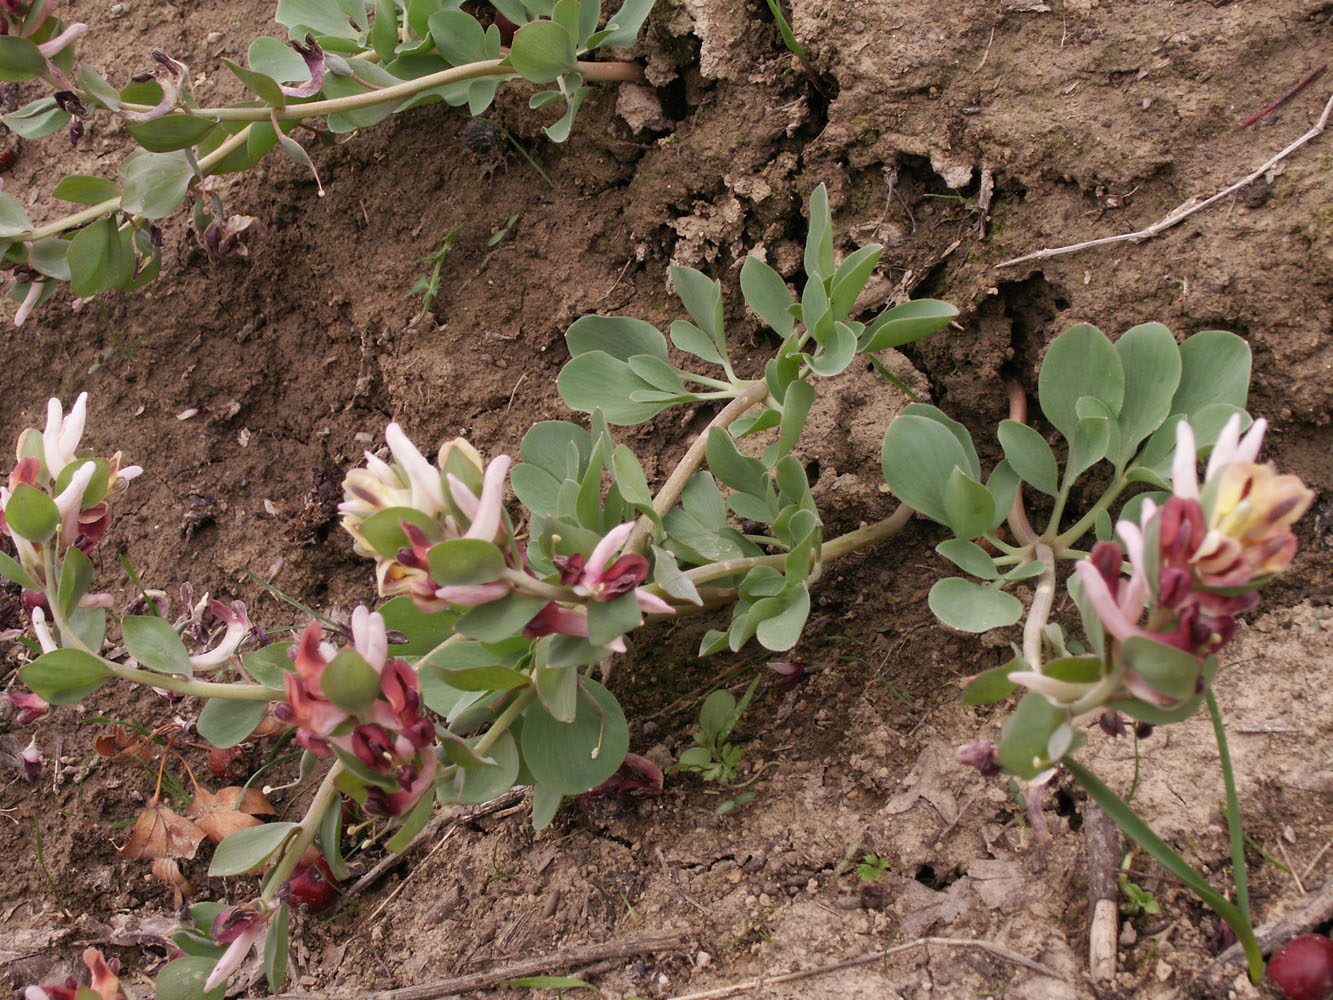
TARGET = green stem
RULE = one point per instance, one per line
(197, 689)
(754, 393)
(595, 72)
(1142, 834)
(325, 797)
(525, 584)
(94, 212)
(843, 545)
(1081, 527)
(506, 718)
(1234, 827)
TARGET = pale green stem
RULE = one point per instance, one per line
(754, 393)
(1085, 523)
(1042, 602)
(843, 545)
(594, 72)
(525, 584)
(502, 722)
(189, 686)
(93, 212)
(325, 797)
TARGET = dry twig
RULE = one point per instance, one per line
(428, 832)
(1183, 211)
(541, 964)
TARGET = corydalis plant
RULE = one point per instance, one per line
(1195, 557)
(347, 65)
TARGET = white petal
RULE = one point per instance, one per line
(1224, 452)
(427, 495)
(1184, 465)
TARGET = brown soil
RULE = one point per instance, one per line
(1089, 119)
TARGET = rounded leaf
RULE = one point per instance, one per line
(919, 456)
(245, 850)
(543, 51)
(968, 606)
(571, 758)
(64, 676)
(154, 643)
(465, 561)
(1080, 362)
(31, 514)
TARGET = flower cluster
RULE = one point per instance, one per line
(458, 498)
(1197, 561)
(82, 487)
(365, 706)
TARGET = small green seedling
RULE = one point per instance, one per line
(713, 758)
(871, 868)
(428, 286)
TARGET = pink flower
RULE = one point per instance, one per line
(605, 580)
(31, 707)
(104, 981)
(239, 928)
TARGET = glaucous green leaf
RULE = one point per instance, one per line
(64, 676)
(275, 950)
(1151, 360)
(465, 561)
(970, 607)
(13, 219)
(960, 433)
(818, 239)
(76, 573)
(619, 336)
(84, 190)
(571, 758)
(350, 682)
(542, 51)
(184, 978)
(20, 59)
(155, 183)
(224, 722)
(458, 36)
(100, 257)
(50, 257)
(481, 784)
(274, 59)
(738, 471)
(994, 685)
(919, 456)
(767, 294)
(969, 557)
(424, 630)
(906, 323)
(384, 529)
(154, 643)
(1087, 445)
(246, 850)
(317, 16)
(1080, 362)
(968, 505)
(851, 277)
(1030, 456)
(622, 30)
(37, 120)
(171, 132)
(31, 514)
(500, 619)
(597, 380)
(1026, 735)
(1166, 669)
(782, 620)
(1215, 368)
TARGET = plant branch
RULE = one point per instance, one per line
(325, 797)
(666, 498)
(189, 686)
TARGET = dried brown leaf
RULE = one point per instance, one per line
(222, 813)
(161, 833)
(123, 747)
(169, 872)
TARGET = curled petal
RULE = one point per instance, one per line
(44, 637)
(1184, 464)
(53, 47)
(651, 604)
(470, 595)
(245, 935)
(314, 62)
(605, 549)
(423, 477)
(31, 706)
(486, 521)
(29, 302)
(105, 982)
(370, 636)
(61, 437)
(1106, 606)
(238, 626)
(70, 501)
(1060, 692)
